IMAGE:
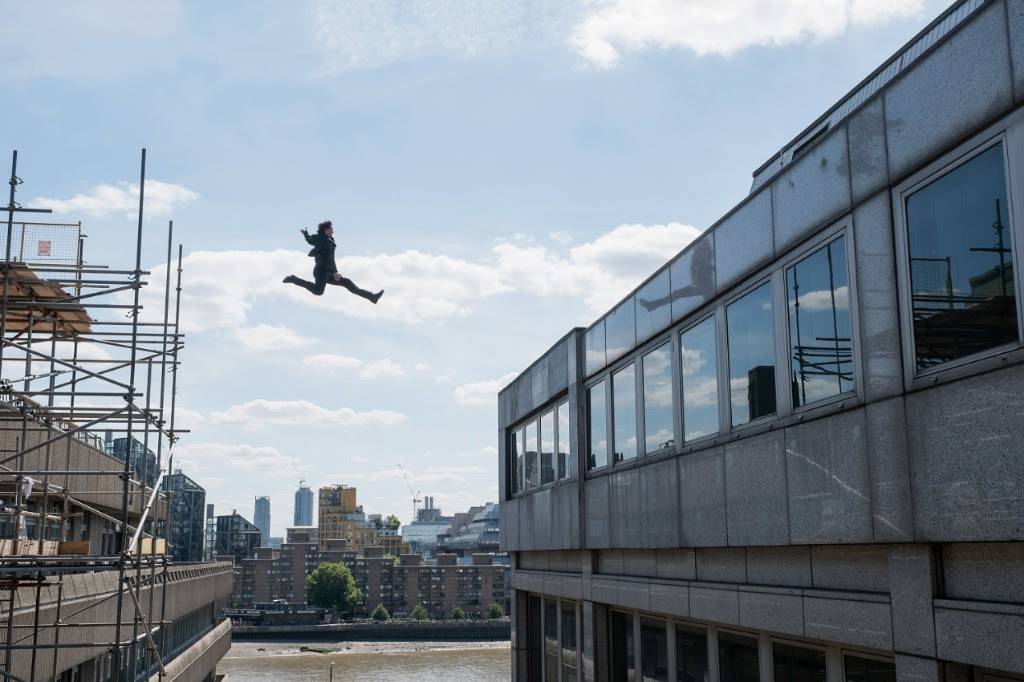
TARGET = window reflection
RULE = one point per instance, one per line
(699, 362)
(659, 431)
(532, 468)
(961, 262)
(623, 655)
(653, 306)
(620, 330)
(820, 350)
(517, 461)
(751, 356)
(564, 465)
(693, 278)
(737, 658)
(691, 654)
(547, 447)
(551, 649)
(624, 413)
(568, 642)
(861, 669)
(797, 664)
(597, 423)
(594, 342)
(653, 651)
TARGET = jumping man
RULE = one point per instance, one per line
(326, 270)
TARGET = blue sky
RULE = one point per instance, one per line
(505, 171)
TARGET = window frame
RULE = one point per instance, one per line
(590, 384)
(551, 407)
(649, 347)
(631, 359)
(1010, 133)
(713, 315)
(821, 648)
(770, 275)
(569, 468)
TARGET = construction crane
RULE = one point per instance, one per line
(415, 495)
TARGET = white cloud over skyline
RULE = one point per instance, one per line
(482, 392)
(260, 413)
(123, 198)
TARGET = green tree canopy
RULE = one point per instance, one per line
(392, 522)
(380, 613)
(331, 585)
(419, 613)
(495, 611)
(458, 614)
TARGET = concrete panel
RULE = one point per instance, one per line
(624, 495)
(604, 590)
(744, 240)
(525, 517)
(640, 562)
(692, 277)
(558, 368)
(539, 382)
(610, 562)
(509, 536)
(567, 512)
(924, 114)
(680, 564)
(659, 504)
(598, 531)
(634, 595)
(524, 396)
(812, 191)
(880, 351)
(968, 479)
(572, 587)
(782, 566)
(984, 571)
(673, 600)
(725, 565)
(828, 480)
(862, 568)
(702, 499)
(755, 489)
(869, 171)
(860, 623)
(892, 512)
(917, 669)
(782, 613)
(988, 639)
(544, 520)
(1015, 12)
(715, 605)
(912, 585)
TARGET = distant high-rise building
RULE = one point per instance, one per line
(303, 505)
(211, 534)
(340, 518)
(261, 519)
(187, 536)
(236, 537)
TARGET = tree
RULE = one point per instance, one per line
(332, 586)
(494, 611)
(419, 613)
(392, 522)
(380, 614)
(457, 614)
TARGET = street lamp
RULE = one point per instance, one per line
(332, 672)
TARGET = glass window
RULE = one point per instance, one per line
(624, 413)
(751, 356)
(568, 642)
(621, 647)
(961, 262)
(597, 423)
(620, 330)
(532, 468)
(797, 664)
(659, 432)
(699, 361)
(861, 669)
(551, 649)
(820, 340)
(564, 465)
(653, 651)
(737, 658)
(595, 348)
(691, 654)
(693, 278)
(517, 461)
(547, 447)
(653, 307)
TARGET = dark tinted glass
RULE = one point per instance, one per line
(564, 466)
(961, 262)
(595, 350)
(624, 413)
(597, 419)
(653, 307)
(620, 330)
(532, 459)
(621, 648)
(820, 342)
(859, 669)
(658, 428)
(551, 649)
(653, 651)
(737, 658)
(691, 655)
(547, 447)
(797, 664)
(751, 356)
(568, 642)
(698, 357)
(517, 460)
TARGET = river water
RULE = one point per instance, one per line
(385, 661)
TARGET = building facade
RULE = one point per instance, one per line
(261, 519)
(795, 451)
(303, 512)
(187, 523)
(236, 537)
(341, 519)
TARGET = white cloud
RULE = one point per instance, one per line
(225, 457)
(258, 414)
(482, 392)
(267, 337)
(722, 27)
(421, 367)
(489, 451)
(451, 474)
(376, 369)
(560, 237)
(329, 361)
(373, 369)
(821, 299)
(104, 199)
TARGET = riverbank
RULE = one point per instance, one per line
(403, 631)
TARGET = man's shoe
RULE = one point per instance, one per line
(288, 280)
(376, 296)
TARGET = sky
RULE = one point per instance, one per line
(505, 171)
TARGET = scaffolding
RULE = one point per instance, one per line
(79, 365)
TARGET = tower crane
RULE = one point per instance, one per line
(415, 495)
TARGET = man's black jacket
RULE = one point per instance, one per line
(322, 251)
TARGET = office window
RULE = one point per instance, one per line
(516, 457)
(568, 642)
(621, 647)
(551, 648)
(698, 358)
(797, 664)
(532, 463)
(751, 356)
(737, 658)
(564, 465)
(862, 669)
(659, 432)
(624, 413)
(691, 654)
(653, 651)
(820, 339)
(597, 426)
(961, 262)
(547, 447)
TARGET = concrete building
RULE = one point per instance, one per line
(342, 519)
(303, 512)
(795, 451)
(236, 537)
(261, 519)
(187, 525)
(421, 534)
(479, 535)
(210, 541)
